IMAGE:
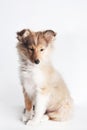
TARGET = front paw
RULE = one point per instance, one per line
(28, 115)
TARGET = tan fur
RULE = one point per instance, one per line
(60, 104)
(27, 100)
(29, 47)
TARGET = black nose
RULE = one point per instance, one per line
(37, 61)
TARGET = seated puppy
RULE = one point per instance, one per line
(45, 92)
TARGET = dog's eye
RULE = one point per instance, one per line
(31, 49)
(41, 49)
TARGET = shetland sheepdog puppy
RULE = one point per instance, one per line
(45, 93)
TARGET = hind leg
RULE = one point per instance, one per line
(63, 112)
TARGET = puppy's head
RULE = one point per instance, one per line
(34, 45)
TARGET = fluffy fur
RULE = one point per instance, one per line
(45, 92)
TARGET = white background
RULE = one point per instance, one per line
(69, 19)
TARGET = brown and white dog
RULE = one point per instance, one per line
(45, 93)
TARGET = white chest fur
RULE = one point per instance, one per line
(32, 80)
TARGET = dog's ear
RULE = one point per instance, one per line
(49, 35)
(23, 34)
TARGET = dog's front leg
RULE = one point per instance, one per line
(40, 108)
(29, 112)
